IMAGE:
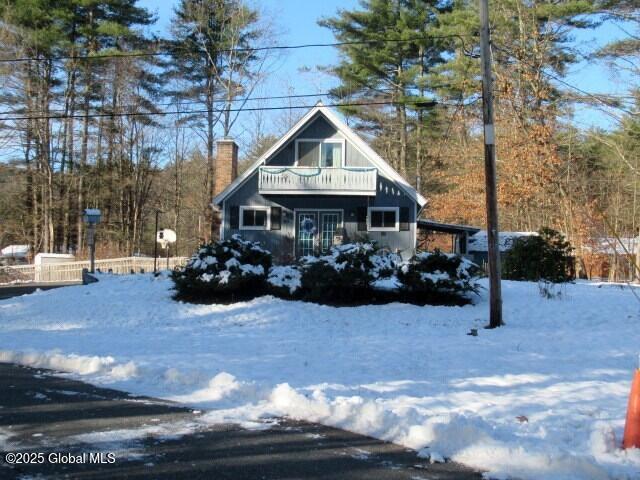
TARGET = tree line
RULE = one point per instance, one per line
(88, 127)
(84, 121)
(553, 172)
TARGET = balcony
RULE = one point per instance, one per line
(317, 181)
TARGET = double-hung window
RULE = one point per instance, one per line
(383, 219)
(254, 218)
(319, 153)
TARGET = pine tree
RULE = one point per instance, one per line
(531, 46)
(395, 66)
(213, 64)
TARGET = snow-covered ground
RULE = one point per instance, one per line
(542, 398)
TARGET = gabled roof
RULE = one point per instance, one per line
(348, 133)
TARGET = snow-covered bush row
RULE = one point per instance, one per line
(231, 269)
(354, 273)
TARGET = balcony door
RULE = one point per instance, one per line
(329, 153)
(317, 231)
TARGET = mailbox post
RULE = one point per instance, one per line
(91, 217)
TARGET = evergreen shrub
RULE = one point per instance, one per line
(228, 270)
(438, 278)
(547, 256)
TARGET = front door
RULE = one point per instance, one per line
(316, 231)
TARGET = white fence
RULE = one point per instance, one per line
(72, 271)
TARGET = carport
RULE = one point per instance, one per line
(459, 233)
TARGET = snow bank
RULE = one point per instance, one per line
(80, 364)
(542, 398)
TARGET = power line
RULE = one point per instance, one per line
(227, 50)
(573, 87)
(416, 104)
(216, 100)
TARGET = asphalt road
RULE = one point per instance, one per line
(8, 291)
(43, 413)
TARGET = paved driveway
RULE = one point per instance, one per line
(42, 413)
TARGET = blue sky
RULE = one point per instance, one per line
(296, 23)
(293, 25)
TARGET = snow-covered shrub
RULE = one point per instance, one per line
(224, 270)
(284, 280)
(346, 274)
(438, 278)
(384, 271)
(547, 256)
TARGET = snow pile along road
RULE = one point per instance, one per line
(543, 398)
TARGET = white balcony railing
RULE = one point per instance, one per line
(316, 180)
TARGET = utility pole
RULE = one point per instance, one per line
(495, 289)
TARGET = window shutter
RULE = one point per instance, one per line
(276, 216)
(234, 217)
(404, 218)
(361, 215)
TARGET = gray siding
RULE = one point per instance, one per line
(285, 157)
(354, 158)
(281, 242)
(318, 129)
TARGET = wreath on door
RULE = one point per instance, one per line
(308, 226)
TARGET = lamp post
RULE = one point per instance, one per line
(91, 217)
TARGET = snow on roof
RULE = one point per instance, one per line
(15, 251)
(479, 242)
(611, 245)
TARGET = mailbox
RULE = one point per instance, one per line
(91, 216)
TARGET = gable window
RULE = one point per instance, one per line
(254, 218)
(383, 219)
(319, 153)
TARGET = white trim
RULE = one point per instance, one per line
(348, 133)
(383, 209)
(222, 221)
(249, 207)
(341, 141)
(358, 193)
(415, 228)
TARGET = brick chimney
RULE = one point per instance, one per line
(226, 164)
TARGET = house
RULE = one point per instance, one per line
(609, 258)
(15, 254)
(478, 244)
(318, 186)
